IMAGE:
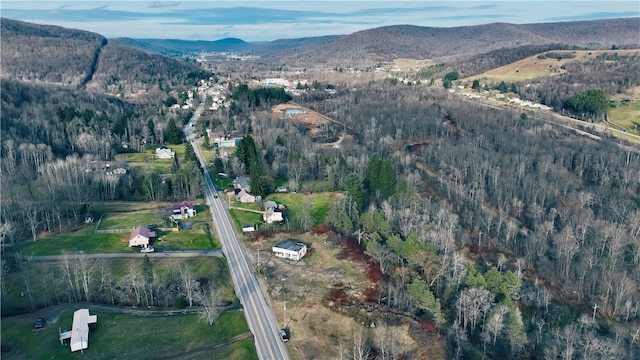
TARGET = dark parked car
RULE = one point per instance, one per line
(39, 324)
(284, 335)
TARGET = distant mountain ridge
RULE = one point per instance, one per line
(445, 44)
(177, 47)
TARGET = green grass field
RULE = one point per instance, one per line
(147, 159)
(80, 240)
(186, 239)
(123, 336)
(130, 220)
(626, 115)
(244, 217)
(295, 202)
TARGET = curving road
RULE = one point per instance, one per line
(259, 315)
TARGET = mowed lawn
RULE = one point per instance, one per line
(147, 159)
(187, 239)
(295, 202)
(85, 240)
(81, 240)
(244, 217)
(129, 220)
(626, 115)
(120, 336)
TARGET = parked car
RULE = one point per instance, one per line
(284, 335)
(147, 250)
(39, 324)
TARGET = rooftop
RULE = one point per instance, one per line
(290, 244)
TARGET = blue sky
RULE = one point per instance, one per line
(271, 20)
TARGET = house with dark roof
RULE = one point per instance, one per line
(183, 211)
(289, 249)
(141, 236)
(243, 183)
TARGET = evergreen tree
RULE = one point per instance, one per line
(152, 130)
(502, 87)
(591, 103)
(380, 178)
(174, 135)
(422, 298)
(189, 153)
(355, 190)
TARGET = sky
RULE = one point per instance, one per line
(265, 20)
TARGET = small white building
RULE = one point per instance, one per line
(289, 249)
(164, 152)
(248, 228)
(79, 334)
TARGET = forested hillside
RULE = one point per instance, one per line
(366, 48)
(48, 54)
(71, 102)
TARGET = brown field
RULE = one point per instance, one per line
(311, 118)
(532, 67)
(410, 64)
(327, 297)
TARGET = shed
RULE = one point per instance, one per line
(290, 249)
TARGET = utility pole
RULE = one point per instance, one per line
(479, 238)
(595, 307)
(258, 261)
(285, 313)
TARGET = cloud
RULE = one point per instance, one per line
(594, 16)
(269, 20)
(163, 4)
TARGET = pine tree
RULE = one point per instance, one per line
(174, 135)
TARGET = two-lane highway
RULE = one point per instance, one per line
(259, 315)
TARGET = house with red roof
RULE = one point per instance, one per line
(141, 236)
(183, 211)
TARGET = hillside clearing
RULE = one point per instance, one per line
(535, 67)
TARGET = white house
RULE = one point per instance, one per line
(141, 236)
(183, 211)
(272, 216)
(273, 213)
(164, 153)
(245, 197)
(289, 249)
(79, 334)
